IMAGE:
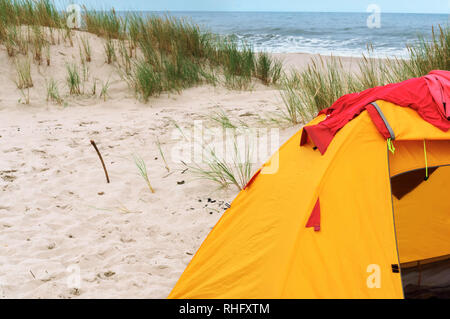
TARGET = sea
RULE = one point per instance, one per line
(342, 34)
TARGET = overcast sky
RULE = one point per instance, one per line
(415, 6)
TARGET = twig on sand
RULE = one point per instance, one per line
(101, 159)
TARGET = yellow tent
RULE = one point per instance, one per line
(372, 218)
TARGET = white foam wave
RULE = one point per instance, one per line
(326, 46)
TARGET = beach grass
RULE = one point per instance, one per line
(16, 41)
(163, 52)
(53, 92)
(25, 95)
(104, 90)
(11, 40)
(294, 111)
(267, 69)
(176, 53)
(23, 69)
(125, 54)
(233, 169)
(222, 118)
(47, 54)
(104, 23)
(110, 51)
(73, 79)
(38, 43)
(424, 56)
(84, 69)
(238, 64)
(158, 144)
(30, 12)
(306, 92)
(85, 48)
(142, 169)
(145, 80)
(231, 166)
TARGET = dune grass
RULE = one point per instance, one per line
(145, 80)
(104, 23)
(38, 43)
(31, 12)
(222, 118)
(22, 24)
(24, 80)
(47, 54)
(110, 51)
(125, 55)
(142, 169)
(84, 69)
(294, 110)
(267, 69)
(231, 166)
(85, 48)
(23, 69)
(426, 55)
(10, 40)
(16, 41)
(53, 92)
(73, 79)
(104, 90)
(163, 54)
(154, 53)
(233, 169)
(306, 92)
(174, 51)
(158, 144)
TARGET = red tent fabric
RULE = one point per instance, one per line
(314, 218)
(428, 95)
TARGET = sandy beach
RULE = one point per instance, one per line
(59, 217)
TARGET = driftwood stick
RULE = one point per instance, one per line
(101, 159)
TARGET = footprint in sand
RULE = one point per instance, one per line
(87, 123)
(7, 176)
(14, 149)
(42, 153)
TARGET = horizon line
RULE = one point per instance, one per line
(268, 11)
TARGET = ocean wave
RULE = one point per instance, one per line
(319, 32)
(276, 43)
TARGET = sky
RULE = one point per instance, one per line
(407, 6)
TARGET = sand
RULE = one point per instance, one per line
(65, 232)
